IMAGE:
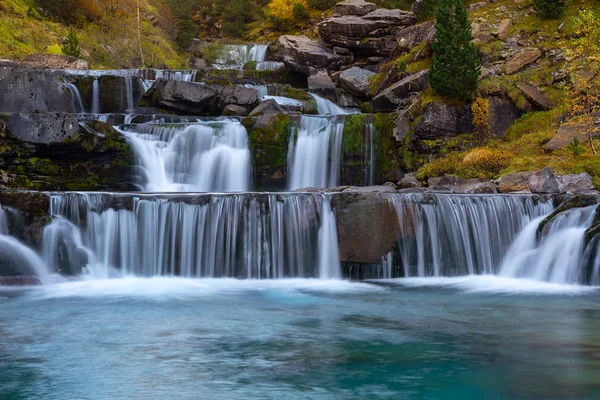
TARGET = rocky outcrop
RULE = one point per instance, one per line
(441, 119)
(195, 99)
(24, 90)
(521, 60)
(573, 130)
(515, 182)
(53, 151)
(356, 81)
(576, 183)
(304, 55)
(408, 38)
(536, 96)
(321, 84)
(544, 181)
(267, 107)
(502, 113)
(55, 61)
(370, 33)
(353, 7)
(409, 181)
(503, 28)
(454, 184)
(399, 93)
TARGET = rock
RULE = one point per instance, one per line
(372, 34)
(321, 83)
(581, 183)
(536, 96)
(267, 107)
(365, 213)
(409, 181)
(356, 81)
(544, 181)
(235, 111)
(502, 114)
(26, 90)
(23, 280)
(503, 27)
(455, 184)
(572, 130)
(401, 128)
(114, 92)
(481, 31)
(55, 61)
(42, 127)
(195, 99)
(410, 37)
(417, 7)
(301, 54)
(442, 119)
(197, 63)
(354, 7)
(399, 93)
(521, 60)
(515, 182)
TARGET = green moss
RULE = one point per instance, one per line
(269, 145)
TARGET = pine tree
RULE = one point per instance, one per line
(550, 9)
(456, 64)
(71, 44)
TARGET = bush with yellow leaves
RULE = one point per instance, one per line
(282, 11)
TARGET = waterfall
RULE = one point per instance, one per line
(251, 236)
(237, 56)
(369, 155)
(329, 257)
(129, 92)
(76, 96)
(172, 75)
(555, 258)
(314, 158)
(327, 107)
(453, 235)
(205, 157)
(95, 97)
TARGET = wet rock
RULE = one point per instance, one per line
(303, 55)
(455, 184)
(372, 34)
(235, 110)
(195, 99)
(399, 93)
(442, 119)
(25, 90)
(515, 182)
(353, 7)
(267, 107)
(409, 181)
(321, 83)
(22, 280)
(580, 183)
(356, 81)
(410, 37)
(521, 60)
(55, 61)
(544, 181)
(42, 127)
(502, 114)
(536, 96)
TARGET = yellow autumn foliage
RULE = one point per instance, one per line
(283, 10)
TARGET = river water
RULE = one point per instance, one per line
(419, 338)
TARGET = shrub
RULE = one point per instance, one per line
(300, 12)
(321, 5)
(455, 69)
(70, 45)
(550, 9)
(481, 110)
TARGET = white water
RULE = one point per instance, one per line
(95, 97)
(236, 56)
(329, 255)
(327, 107)
(207, 157)
(76, 96)
(314, 158)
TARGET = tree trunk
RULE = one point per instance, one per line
(139, 23)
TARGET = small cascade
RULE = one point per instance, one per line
(329, 254)
(314, 157)
(558, 256)
(252, 236)
(369, 155)
(95, 97)
(76, 96)
(453, 235)
(174, 75)
(129, 92)
(327, 107)
(237, 56)
(205, 157)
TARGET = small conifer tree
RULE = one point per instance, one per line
(455, 69)
(550, 9)
(71, 44)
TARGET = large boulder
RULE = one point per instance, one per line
(356, 81)
(371, 34)
(521, 60)
(267, 107)
(42, 127)
(321, 83)
(55, 61)
(536, 96)
(410, 37)
(353, 7)
(502, 113)
(304, 55)
(195, 99)
(576, 183)
(399, 93)
(442, 120)
(515, 182)
(29, 90)
(544, 181)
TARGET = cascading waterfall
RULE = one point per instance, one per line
(186, 76)
(237, 56)
(243, 236)
(327, 107)
(76, 96)
(205, 157)
(314, 158)
(95, 97)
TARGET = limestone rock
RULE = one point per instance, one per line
(322, 84)
(544, 181)
(267, 107)
(521, 61)
(356, 81)
(235, 111)
(536, 96)
(455, 184)
(42, 127)
(442, 119)
(409, 181)
(301, 54)
(580, 183)
(515, 182)
(354, 7)
(411, 36)
(55, 61)
(502, 114)
(503, 27)
(399, 93)
(571, 130)
(401, 128)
